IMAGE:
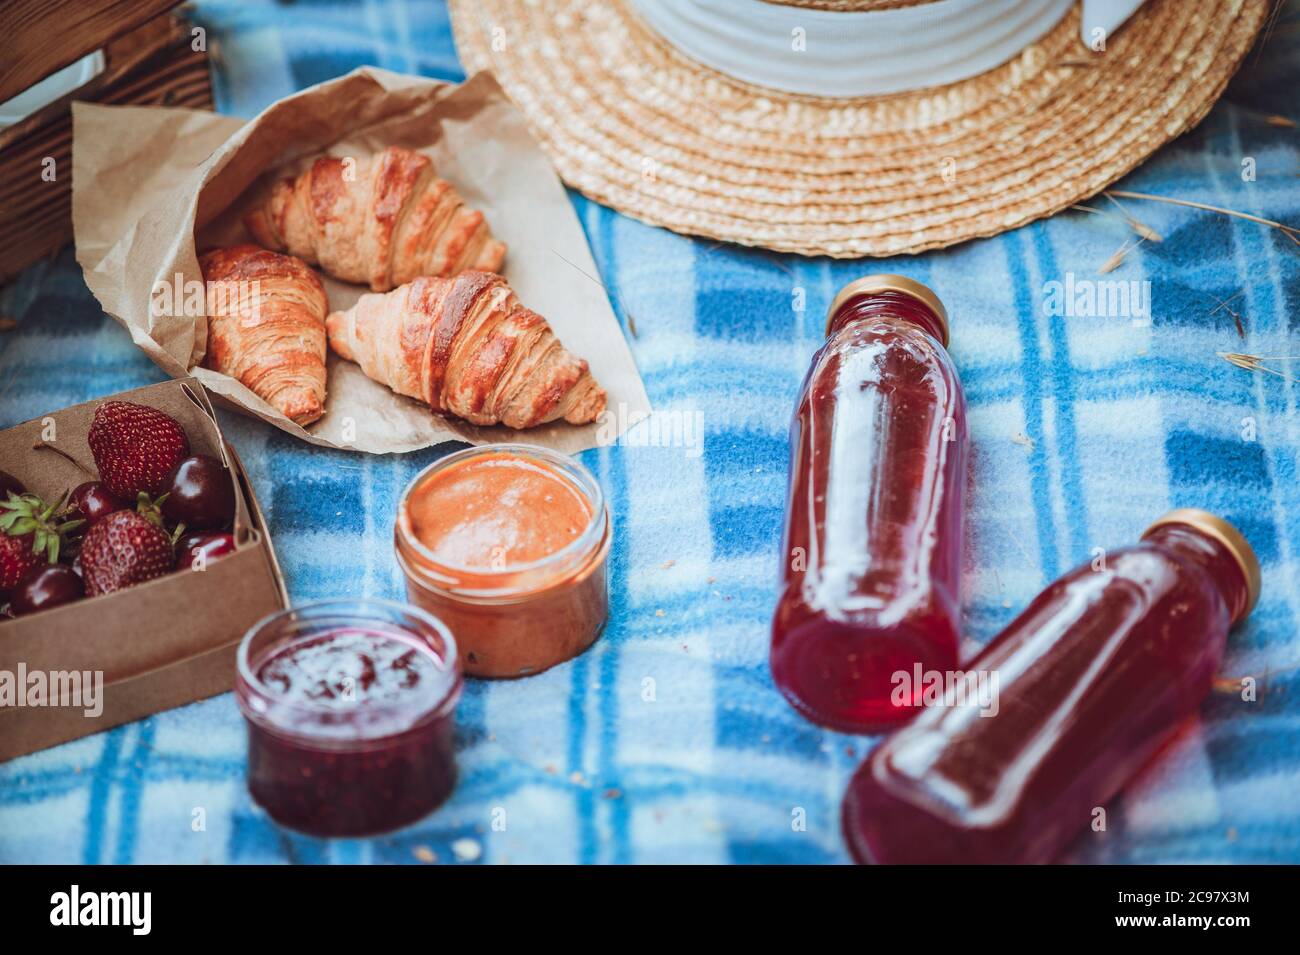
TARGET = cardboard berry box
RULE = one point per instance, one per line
(157, 645)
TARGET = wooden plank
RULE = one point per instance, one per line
(121, 56)
(43, 36)
(158, 68)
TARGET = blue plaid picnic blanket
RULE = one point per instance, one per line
(1084, 429)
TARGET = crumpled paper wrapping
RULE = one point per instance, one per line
(152, 187)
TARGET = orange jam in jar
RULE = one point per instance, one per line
(508, 545)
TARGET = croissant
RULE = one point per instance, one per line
(266, 327)
(381, 221)
(467, 347)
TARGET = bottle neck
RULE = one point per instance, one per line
(895, 305)
(1211, 556)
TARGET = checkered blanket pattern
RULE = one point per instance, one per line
(1083, 429)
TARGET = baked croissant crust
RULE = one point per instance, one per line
(266, 327)
(380, 221)
(468, 348)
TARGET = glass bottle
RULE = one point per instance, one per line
(873, 532)
(1098, 672)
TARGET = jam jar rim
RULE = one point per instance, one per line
(570, 562)
(247, 683)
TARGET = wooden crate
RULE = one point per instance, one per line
(149, 60)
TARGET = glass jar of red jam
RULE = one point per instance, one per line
(873, 531)
(1099, 672)
(508, 544)
(349, 706)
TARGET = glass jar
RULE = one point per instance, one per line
(508, 544)
(873, 532)
(349, 705)
(1098, 672)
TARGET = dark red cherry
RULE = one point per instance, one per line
(10, 483)
(95, 501)
(201, 495)
(196, 551)
(44, 587)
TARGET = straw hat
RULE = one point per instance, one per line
(633, 121)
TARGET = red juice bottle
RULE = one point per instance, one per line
(873, 530)
(1100, 670)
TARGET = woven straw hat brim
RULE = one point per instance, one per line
(632, 123)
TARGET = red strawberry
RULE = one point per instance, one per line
(31, 533)
(136, 448)
(122, 550)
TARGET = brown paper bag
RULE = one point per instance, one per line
(148, 181)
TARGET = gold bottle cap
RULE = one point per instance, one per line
(884, 282)
(1220, 530)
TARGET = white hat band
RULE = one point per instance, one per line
(864, 53)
